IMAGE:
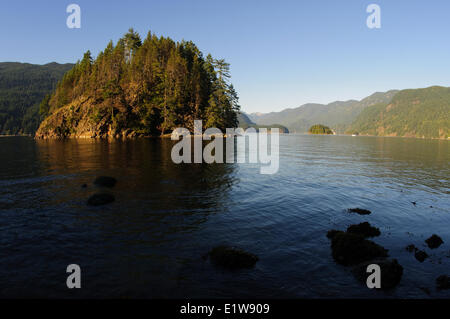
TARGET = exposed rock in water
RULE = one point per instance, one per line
(232, 258)
(359, 211)
(332, 233)
(352, 249)
(105, 181)
(443, 282)
(364, 229)
(434, 241)
(100, 199)
(411, 248)
(391, 272)
(421, 255)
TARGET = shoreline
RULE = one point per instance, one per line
(170, 134)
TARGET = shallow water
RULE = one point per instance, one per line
(150, 241)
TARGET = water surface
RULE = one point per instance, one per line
(150, 241)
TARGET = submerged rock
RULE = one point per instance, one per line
(105, 181)
(352, 249)
(232, 258)
(425, 290)
(359, 211)
(421, 255)
(411, 248)
(100, 199)
(434, 241)
(391, 272)
(364, 229)
(443, 282)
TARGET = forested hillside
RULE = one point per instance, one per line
(411, 113)
(337, 115)
(22, 87)
(139, 87)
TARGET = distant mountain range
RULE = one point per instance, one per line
(337, 115)
(421, 113)
(22, 87)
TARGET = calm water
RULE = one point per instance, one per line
(150, 241)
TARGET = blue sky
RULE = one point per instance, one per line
(282, 53)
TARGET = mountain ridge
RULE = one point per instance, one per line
(422, 113)
(338, 114)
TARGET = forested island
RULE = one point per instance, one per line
(320, 129)
(140, 88)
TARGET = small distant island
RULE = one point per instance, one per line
(245, 122)
(320, 129)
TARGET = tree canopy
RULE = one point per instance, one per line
(150, 86)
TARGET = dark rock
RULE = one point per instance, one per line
(84, 186)
(414, 203)
(332, 233)
(391, 272)
(105, 181)
(352, 249)
(359, 211)
(443, 282)
(232, 258)
(425, 290)
(411, 248)
(364, 229)
(434, 241)
(100, 199)
(421, 255)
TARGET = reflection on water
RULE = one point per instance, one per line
(150, 241)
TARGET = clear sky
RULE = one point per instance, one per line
(282, 53)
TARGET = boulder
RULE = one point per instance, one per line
(359, 211)
(232, 258)
(105, 181)
(434, 241)
(100, 199)
(391, 272)
(421, 255)
(351, 249)
(364, 229)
